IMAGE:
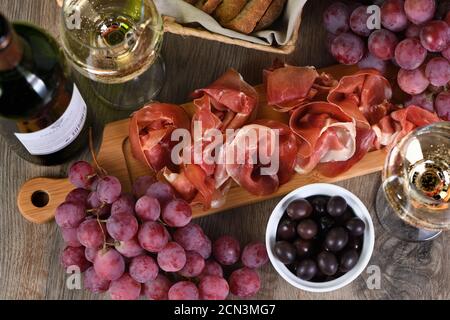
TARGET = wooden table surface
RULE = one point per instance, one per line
(29, 254)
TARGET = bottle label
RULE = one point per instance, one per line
(61, 133)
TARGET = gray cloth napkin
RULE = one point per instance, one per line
(279, 34)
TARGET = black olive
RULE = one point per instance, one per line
(336, 239)
(287, 230)
(356, 227)
(348, 260)
(327, 263)
(285, 252)
(299, 209)
(336, 206)
(307, 229)
(306, 269)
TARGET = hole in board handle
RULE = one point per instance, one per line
(40, 199)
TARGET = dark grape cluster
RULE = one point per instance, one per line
(145, 243)
(415, 36)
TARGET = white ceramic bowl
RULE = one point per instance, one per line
(359, 209)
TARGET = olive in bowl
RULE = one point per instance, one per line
(333, 242)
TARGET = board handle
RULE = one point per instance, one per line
(38, 198)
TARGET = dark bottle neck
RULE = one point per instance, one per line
(11, 49)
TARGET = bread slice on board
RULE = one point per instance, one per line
(208, 6)
(228, 10)
(273, 13)
(249, 17)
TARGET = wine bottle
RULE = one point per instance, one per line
(43, 116)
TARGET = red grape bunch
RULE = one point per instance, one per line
(144, 243)
(415, 37)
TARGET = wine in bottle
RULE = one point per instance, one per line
(43, 116)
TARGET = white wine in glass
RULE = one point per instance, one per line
(116, 44)
(413, 202)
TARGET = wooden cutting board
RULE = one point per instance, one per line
(115, 157)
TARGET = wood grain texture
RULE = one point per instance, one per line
(29, 253)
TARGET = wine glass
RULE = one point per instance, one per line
(413, 200)
(115, 44)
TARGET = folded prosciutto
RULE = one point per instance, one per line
(368, 90)
(392, 128)
(289, 87)
(232, 102)
(150, 133)
(262, 156)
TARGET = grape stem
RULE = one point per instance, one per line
(102, 171)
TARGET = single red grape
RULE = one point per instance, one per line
(412, 81)
(148, 209)
(161, 191)
(190, 237)
(94, 283)
(109, 189)
(125, 288)
(78, 195)
(172, 258)
(212, 268)
(91, 253)
(109, 264)
(358, 21)
(183, 290)
(194, 265)
(70, 215)
(424, 100)
(143, 269)
(213, 288)
(226, 250)
(393, 16)
(70, 237)
(347, 48)
(420, 11)
(91, 234)
(372, 62)
(122, 226)
(153, 236)
(244, 282)
(205, 250)
(434, 36)
(336, 17)
(141, 185)
(124, 204)
(177, 213)
(157, 289)
(382, 44)
(130, 248)
(442, 105)
(254, 255)
(80, 174)
(410, 54)
(438, 71)
(74, 256)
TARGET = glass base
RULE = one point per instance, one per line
(393, 224)
(133, 94)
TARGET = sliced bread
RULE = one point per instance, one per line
(208, 6)
(228, 10)
(249, 17)
(273, 13)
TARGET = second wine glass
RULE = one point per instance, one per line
(116, 45)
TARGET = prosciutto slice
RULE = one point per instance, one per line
(233, 102)
(392, 128)
(289, 87)
(326, 133)
(150, 133)
(368, 90)
(243, 162)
